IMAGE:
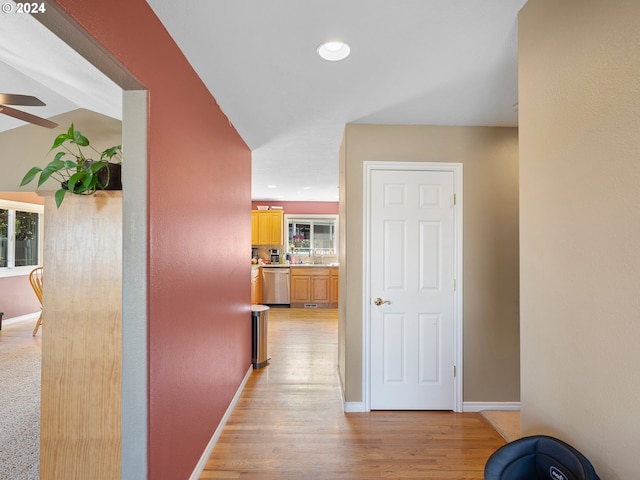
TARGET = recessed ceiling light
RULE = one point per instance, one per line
(272, 186)
(334, 50)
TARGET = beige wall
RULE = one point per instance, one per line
(27, 146)
(342, 275)
(490, 178)
(579, 70)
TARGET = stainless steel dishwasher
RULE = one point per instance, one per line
(276, 285)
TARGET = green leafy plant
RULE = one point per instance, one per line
(74, 168)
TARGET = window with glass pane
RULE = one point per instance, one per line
(312, 236)
(20, 237)
(299, 235)
(26, 234)
(323, 234)
(4, 237)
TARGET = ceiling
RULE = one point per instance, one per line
(420, 62)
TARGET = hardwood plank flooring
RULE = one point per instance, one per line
(506, 423)
(289, 422)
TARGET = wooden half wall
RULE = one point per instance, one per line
(80, 430)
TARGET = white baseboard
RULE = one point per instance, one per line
(466, 406)
(21, 318)
(353, 407)
(480, 406)
(349, 407)
(216, 435)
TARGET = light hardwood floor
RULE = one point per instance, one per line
(507, 423)
(289, 422)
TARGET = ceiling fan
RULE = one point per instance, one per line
(23, 100)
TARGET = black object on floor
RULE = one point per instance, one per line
(538, 457)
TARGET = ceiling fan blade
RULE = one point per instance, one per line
(26, 100)
(27, 117)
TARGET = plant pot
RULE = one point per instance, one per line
(110, 177)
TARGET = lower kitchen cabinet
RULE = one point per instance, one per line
(333, 287)
(300, 289)
(314, 286)
(256, 286)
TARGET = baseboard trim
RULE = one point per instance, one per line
(466, 406)
(480, 406)
(216, 435)
(21, 318)
(353, 407)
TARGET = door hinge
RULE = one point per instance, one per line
(455, 199)
(455, 285)
(455, 371)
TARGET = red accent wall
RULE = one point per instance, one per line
(199, 234)
(308, 208)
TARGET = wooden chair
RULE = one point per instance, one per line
(35, 277)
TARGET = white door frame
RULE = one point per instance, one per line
(456, 168)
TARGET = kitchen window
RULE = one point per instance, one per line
(20, 237)
(312, 235)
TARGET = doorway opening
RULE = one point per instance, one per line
(134, 133)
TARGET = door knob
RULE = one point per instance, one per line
(378, 301)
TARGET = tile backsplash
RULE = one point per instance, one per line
(264, 250)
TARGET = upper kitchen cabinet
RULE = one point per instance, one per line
(266, 227)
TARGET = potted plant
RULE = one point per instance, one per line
(74, 168)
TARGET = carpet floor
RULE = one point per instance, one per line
(19, 402)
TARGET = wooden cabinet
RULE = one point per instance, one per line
(333, 279)
(254, 227)
(320, 288)
(300, 287)
(270, 227)
(266, 227)
(256, 285)
(314, 285)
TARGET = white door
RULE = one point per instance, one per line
(412, 271)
